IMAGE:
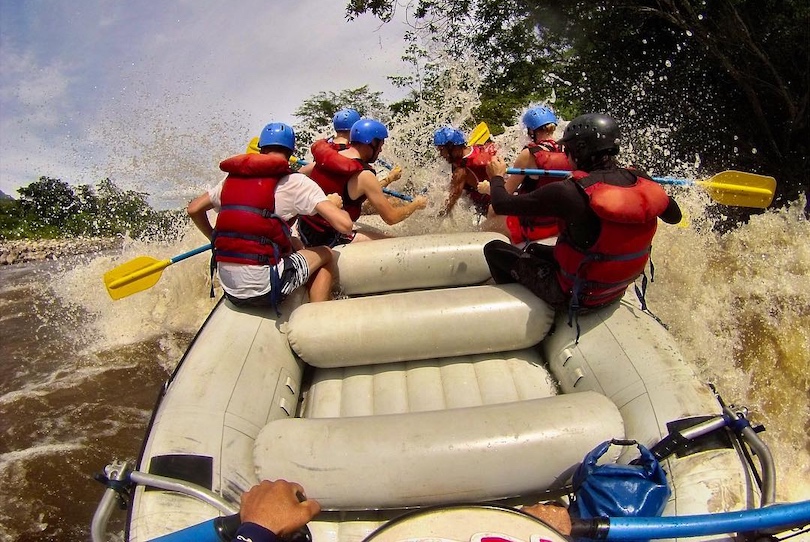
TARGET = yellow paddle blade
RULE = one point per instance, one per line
(684, 223)
(253, 146)
(479, 135)
(741, 189)
(134, 276)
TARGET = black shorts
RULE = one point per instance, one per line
(534, 268)
(329, 237)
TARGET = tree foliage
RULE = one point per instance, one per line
(317, 111)
(727, 81)
(50, 208)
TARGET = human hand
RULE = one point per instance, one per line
(483, 187)
(394, 175)
(552, 514)
(420, 202)
(496, 167)
(276, 506)
(336, 199)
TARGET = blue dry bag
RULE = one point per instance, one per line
(612, 490)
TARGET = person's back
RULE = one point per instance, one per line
(608, 216)
(603, 251)
(542, 152)
(343, 122)
(256, 258)
(350, 174)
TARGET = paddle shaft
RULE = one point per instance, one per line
(394, 193)
(191, 253)
(778, 516)
(547, 172)
(564, 173)
(734, 188)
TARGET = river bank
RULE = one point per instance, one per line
(33, 250)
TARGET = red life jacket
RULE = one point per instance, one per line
(332, 172)
(247, 230)
(531, 228)
(476, 164)
(629, 217)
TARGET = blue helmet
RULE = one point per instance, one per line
(447, 135)
(278, 133)
(367, 130)
(537, 117)
(345, 119)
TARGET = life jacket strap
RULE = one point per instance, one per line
(262, 212)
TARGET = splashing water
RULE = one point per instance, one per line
(738, 304)
(87, 369)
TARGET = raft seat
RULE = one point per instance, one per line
(437, 457)
(425, 385)
(429, 397)
(418, 325)
(424, 350)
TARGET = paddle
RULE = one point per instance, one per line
(387, 165)
(394, 193)
(479, 135)
(735, 188)
(777, 516)
(141, 273)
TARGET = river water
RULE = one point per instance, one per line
(80, 372)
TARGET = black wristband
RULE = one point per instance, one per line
(256, 533)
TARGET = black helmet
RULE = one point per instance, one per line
(591, 134)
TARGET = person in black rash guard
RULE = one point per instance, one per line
(607, 216)
(271, 511)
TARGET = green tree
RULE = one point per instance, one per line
(51, 208)
(317, 111)
(727, 81)
(499, 37)
(12, 223)
(49, 202)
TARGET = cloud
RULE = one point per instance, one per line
(143, 92)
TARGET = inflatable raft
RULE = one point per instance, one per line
(425, 386)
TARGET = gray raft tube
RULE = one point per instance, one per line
(120, 474)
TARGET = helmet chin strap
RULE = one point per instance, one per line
(377, 148)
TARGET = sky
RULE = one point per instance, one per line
(99, 88)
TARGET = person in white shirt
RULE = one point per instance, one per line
(258, 261)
